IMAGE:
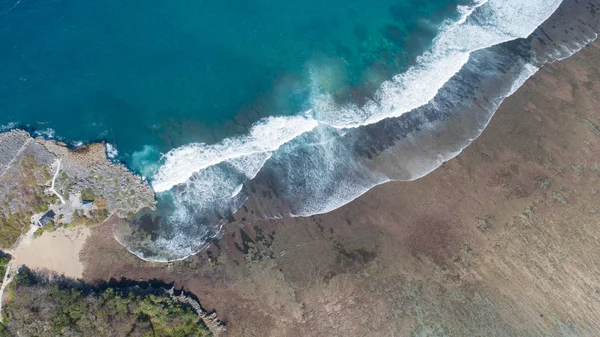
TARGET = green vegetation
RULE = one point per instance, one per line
(11, 227)
(88, 195)
(51, 309)
(50, 227)
(96, 217)
(30, 198)
(4, 260)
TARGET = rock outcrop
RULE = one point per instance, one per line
(38, 175)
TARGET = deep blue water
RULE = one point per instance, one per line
(165, 73)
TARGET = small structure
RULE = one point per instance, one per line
(86, 205)
(46, 218)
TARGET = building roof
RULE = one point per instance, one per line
(49, 216)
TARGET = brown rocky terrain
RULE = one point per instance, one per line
(503, 240)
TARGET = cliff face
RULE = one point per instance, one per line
(37, 175)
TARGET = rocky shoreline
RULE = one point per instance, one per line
(79, 186)
(45, 186)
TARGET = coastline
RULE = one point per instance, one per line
(324, 168)
(51, 195)
(401, 148)
(499, 240)
(480, 236)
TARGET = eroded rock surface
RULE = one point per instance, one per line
(28, 166)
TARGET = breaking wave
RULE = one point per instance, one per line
(484, 24)
(245, 153)
(319, 161)
(111, 151)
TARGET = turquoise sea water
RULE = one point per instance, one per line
(165, 73)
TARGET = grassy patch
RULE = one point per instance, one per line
(50, 227)
(30, 198)
(4, 260)
(88, 195)
(11, 227)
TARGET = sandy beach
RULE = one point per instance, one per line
(56, 251)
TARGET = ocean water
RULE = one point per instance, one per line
(167, 73)
(284, 109)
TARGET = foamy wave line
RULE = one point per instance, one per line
(47, 133)
(111, 151)
(8, 127)
(183, 254)
(265, 136)
(482, 25)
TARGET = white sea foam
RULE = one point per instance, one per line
(8, 126)
(111, 151)
(482, 25)
(265, 136)
(527, 72)
(47, 133)
(466, 11)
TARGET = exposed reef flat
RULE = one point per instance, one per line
(500, 241)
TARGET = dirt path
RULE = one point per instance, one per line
(23, 147)
(23, 242)
(53, 180)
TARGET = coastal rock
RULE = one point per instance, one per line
(559, 198)
(38, 175)
(24, 175)
(88, 172)
(545, 185)
(211, 320)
